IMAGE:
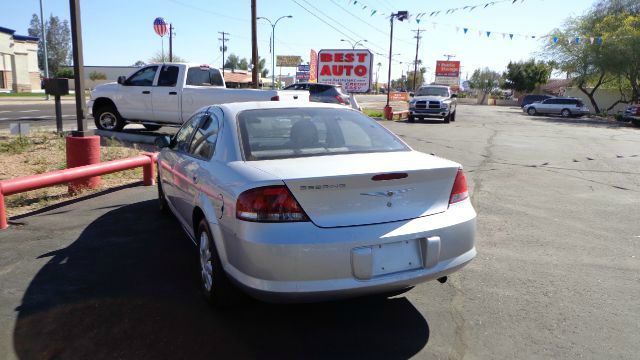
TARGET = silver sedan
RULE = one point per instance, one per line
(311, 202)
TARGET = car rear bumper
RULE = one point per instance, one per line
(302, 262)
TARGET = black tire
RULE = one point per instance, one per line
(411, 119)
(162, 200)
(531, 111)
(565, 113)
(108, 118)
(219, 292)
(447, 119)
(152, 127)
(453, 116)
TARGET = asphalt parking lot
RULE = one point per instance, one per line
(557, 274)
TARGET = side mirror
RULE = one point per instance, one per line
(454, 95)
(163, 141)
(121, 79)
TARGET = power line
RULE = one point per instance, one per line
(338, 22)
(319, 18)
(366, 23)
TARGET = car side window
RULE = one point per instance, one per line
(143, 77)
(183, 137)
(168, 76)
(204, 139)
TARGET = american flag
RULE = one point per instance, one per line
(160, 26)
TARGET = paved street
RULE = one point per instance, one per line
(36, 113)
(557, 274)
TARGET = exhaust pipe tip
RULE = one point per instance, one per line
(442, 280)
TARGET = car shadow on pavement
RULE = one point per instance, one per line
(128, 288)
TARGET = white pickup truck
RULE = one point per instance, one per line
(167, 94)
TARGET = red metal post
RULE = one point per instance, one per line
(3, 212)
(83, 151)
(149, 169)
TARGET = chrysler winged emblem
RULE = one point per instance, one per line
(388, 193)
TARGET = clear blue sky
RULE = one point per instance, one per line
(119, 32)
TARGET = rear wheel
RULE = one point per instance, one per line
(531, 111)
(152, 127)
(565, 113)
(108, 118)
(217, 288)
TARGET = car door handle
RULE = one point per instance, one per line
(146, 92)
(173, 93)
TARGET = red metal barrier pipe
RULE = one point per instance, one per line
(33, 182)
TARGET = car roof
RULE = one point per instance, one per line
(255, 105)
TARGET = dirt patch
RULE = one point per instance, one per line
(44, 152)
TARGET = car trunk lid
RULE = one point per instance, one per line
(361, 189)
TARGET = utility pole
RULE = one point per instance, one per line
(254, 45)
(415, 63)
(44, 43)
(224, 45)
(78, 67)
(170, 42)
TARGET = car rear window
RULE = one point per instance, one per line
(301, 132)
(199, 76)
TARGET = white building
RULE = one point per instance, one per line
(18, 62)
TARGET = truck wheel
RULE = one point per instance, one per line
(108, 118)
(152, 127)
(411, 119)
(453, 116)
(447, 119)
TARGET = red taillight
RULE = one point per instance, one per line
(275, 98)
(340, 100)
(269, 204)
(459, 191)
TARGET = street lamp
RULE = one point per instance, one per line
(401, 15)
(273, 47)
(353, 45)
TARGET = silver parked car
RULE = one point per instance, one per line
(310, 202)
(558, 106)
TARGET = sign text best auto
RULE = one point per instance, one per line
(349, 68)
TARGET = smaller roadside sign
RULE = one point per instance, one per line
(304, 67)
(288, 60)
(302, 75)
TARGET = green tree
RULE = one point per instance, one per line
(524, 76)
(58, 38)
(139, 63)
(419, 79)
(485, 80)
(234, 62)
(159, 57)
(64, 73)
(264, 72)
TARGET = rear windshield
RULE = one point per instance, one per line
(300, 132)
(432, 91)
(204, 77)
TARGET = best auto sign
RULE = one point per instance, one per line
(349, 68)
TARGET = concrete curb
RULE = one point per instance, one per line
(128, 137)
